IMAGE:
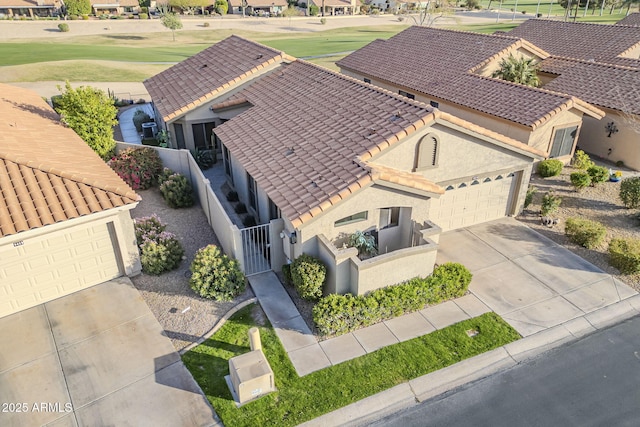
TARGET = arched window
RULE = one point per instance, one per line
(427, 152)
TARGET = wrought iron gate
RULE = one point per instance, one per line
(256, 249)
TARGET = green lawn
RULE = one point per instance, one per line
(301, 399)
(553, 9)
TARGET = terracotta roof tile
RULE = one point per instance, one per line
(199, 78)
(632, 20)
(47, 173)
(406, 179)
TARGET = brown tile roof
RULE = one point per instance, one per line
(266, 3)
(47, 173)
(580, 40)
(632, 19)
(438, 63)
(28, 3)
(334, 3)
(115, 3)
(201, 77)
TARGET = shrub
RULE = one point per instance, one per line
(164, 175)
(339, 314)
(585, 232)
(232, 196)
(148, 226)
(581, 160)
(138, 167)
(85, 17)
(580, 180)
(313, 10)
(161, 254)
(204, 158)
(63, 28)
(177, 192)
(308, 275)
(206, 24)
(143, 16)
(531, 191)
(215, 275)
(550, 167)
(364, 242)
(550, 203)
(140, 117)
(619, 163)
(323, 21)
(598, 174)
(630, 192)
(624, 254)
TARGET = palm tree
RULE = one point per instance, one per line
(518, 70)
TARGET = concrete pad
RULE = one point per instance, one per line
(548, 313)
(505, 287)
(624, 290)
(137, 403)
(375, 337)
(39, 381)
(309, 359)
(112, 303)
(278, 307)
(523, 328)
(115, 358)
(409, 326)
(342, 348)
(594, 296)
(561, 270)
(26, 336)
(462, 246)
(510, 238)
(445, 314)
(579, 327)
(471, 305)
(64, 421)
(448, 378)
(611, 315)
(539, 343)
(294, 334)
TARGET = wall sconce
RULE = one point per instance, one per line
(611, 128)
(293, 237)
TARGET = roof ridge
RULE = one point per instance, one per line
(281, 52)
(593, 62)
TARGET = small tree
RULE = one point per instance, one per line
(171, 21)
(221, 7)
(92, 115)
(518, 70)
(77, 7)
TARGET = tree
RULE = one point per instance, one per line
(221, 7)
(77, 7)
(430, 12)
(171, 21)
(91, 114)
(518, 70)
(289, 12)
(188, 7)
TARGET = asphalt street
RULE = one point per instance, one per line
(591, 382)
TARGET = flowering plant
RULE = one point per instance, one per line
(138, 167)
(617, 174)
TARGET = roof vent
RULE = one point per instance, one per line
(290, 151)
(204, 66)
(395, 117)
(259, 56)
(372, 131)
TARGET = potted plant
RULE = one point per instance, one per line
(365, 243)
(615, 176)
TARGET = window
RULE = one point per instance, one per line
(434, 104)
(563, 141)
(389, 217)
(252, 191)
(227, 163)
(202, 133)
(361, 216)
(177, 130)
(274, 211)
(366, 80)
(407, 94)
(427, 152)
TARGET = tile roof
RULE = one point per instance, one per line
(438, 62)
(580, 40)
(333, 3)
(631, 19)
(317, 155)
(201, 77)
(47, 173)
(266, 3)
(28, 3)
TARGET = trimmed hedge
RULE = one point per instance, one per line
(308, 275)
(550, 167)
(215, 275)
(630, 192)
(624, 254)
(340, 314)
(176, 191)
(585, 232)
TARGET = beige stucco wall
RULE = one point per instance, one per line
(624, 145)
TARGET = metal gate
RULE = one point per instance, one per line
(256, 249)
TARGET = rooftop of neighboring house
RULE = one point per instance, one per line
(334, 3)
(632, 19)
(442, 63)
(28, 3)
(580, 40)
(48, 173)
(266, 3)
(203, 76)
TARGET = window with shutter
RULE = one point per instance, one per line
(563, 140)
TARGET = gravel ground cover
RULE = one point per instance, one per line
(184, 316)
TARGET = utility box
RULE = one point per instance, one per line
(251, 376)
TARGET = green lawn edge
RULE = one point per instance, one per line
(301, 399)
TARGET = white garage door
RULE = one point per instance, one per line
(41, 269)
(473, 202)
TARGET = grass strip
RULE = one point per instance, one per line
(301, 399)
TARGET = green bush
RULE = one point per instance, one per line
(308, 275)
(215, 275)
(550, 167)
(550, 203)
(138, 167)
(323, 21)
(585, 232)
(630, 192)
(531, 191)
(624, 254)
(164, 175)
(598, 174)
(148, 226)
(204, 158)
(140, 117)
(365, 243)
(313, 10)
(160, 250)
(580, 180)
(340, 314)
(63, 28)
(177, 191)
(581, 160)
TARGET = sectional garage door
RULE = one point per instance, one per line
(43, 268)
(473, 202)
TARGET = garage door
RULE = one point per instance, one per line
(473, 202)
(44, 268)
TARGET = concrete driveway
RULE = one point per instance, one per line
(97, 357)
(530, 281)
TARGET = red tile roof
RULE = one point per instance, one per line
(47, 173)
(439, 63)
(632, 20)
(201, 77)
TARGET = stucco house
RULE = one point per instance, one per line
(30, 8)
(65, 219)
(601, 65)
(452, 70)
(114, 7)
(324, 155)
